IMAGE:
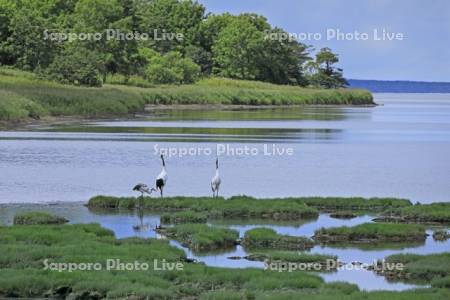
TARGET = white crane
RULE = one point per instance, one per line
(215, 181)
(161, 180)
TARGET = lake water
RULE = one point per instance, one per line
(398, 149)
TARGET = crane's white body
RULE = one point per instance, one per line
(161, 179)
(216, 181)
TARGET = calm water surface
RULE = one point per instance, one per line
(397, 149)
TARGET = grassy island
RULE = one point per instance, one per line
(438, 212)
(234, 207)
(269, 238)
(38, 218)
(315, 260)
(420, 268)
(201, 237)
(371, 232)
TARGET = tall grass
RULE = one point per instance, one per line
(438, 212)
(369, 232)
(38, 218)
(268, 238)
(421, 267)
(201, 237)
(24, 94)
(234, 207)
(24, 248)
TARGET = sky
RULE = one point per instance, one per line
(423, 53)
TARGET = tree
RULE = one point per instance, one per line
(236, 50)
(78, 66)
(323, 73)
(170, 68)
(282, 60)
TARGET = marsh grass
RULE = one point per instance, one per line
(25, 95)
(183, 217)
(355, 203)
(24, 249)
(438, 212)
(234, 207)
(421, 268)
(269, 238)
(371, 232)
(291, 256)
(201, 237)
(38, 218)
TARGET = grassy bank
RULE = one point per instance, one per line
(311, 262)
(234, 207)
(24, 249)
(23, 96)
(355, 203)
(201, 237)
(421, 213)
(371, 232)
(420, 268)
(249, 207)
(183, 217)
(37, 218)
(269, 238)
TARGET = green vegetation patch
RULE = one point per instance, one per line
(424, 213)
(420, 268)
(269, 238)
(38, 218)
(23, 95)
(316, 262)
(355, 203)
(183, 217)
(201, 237)
(24, 249)
(371, 232)
(234, 207)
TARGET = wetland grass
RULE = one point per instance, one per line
(25, 95)
(24, 249)
(269, 238)
(201, 237)
(38, 218)
(371, 232)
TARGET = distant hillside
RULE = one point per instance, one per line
(384, 86)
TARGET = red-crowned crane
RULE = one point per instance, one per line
(215, 181)
(161, 180)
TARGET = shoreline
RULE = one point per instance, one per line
(17, 125)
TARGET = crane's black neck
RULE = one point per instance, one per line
(163, 163)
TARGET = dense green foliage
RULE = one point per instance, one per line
(370, 232)
(269, 238)
(323, 73)
(201, 237)
(38, 218)
(82, 42)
